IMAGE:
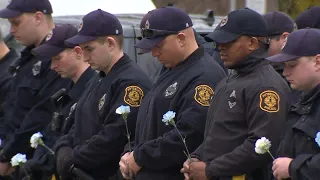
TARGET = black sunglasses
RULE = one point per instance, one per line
(152, 33)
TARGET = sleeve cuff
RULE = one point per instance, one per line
(209, 174)
(296, 163)
(137, 159)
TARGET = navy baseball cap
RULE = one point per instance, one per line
(96, 24)
(309, 18)
(303, 42)
(17, 7)
(54, 43)
(278, 23)
(238, 23)
(161, 22)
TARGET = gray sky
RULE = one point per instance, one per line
(82, 7)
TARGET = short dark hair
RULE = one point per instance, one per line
(118, 38)
(276, 37)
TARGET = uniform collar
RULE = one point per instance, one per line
(123, 60)
(251, 62)
(196, 55)
(75, 90)
(304, 107)
(310, 96)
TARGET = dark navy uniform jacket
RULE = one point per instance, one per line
(300, 138)
(5, 76)
(99, 134)
(250, 103)
(186, 90)
(27, 110)
(65, 106)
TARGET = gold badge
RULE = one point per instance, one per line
(80, 26)
(295, 27)
(147, 25)
(102, 101)
(214, 45)
(269, 101)
(242, 177)
(133, 96)
(203, 95)
(224, 21)
(49, 36)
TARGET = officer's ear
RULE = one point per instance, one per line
(78, 52)
(317, 62)
(181, 38)
(253, 44)
(39, 16)
(111, 43)
(284, 35)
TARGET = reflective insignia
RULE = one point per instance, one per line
(203, 94)
(133, 96)
(242, 177)
(102, 101)
(171, 90)
(36, 68)
(232, 99)
(80, 26)
(214, 45)
(49, 36)
(73, 107)
(224, 21)
(269, 101)
(284, 43)
(295, 27)
(147, 25)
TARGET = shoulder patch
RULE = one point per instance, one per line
(203, 94)
(133, 96)
(269, 101)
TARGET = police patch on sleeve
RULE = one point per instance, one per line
(269, 101)
(203, 95)
(133, 96)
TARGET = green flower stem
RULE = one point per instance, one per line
(45, 146)
(270, 154)
(183, 140)
(128, 134)
(25, 171)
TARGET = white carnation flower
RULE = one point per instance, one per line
(167, 117)
(35, 140)
(123, 110)
(18, 159)
(262, 145)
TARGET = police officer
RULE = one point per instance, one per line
(299, 152)
(309, 18)
(26, 110)
(98, 137)
(185, 86)
(7, 57)
(250, 103)
(280, 25)
(68, 61)
(153, 67)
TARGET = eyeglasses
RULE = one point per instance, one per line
(152, 33)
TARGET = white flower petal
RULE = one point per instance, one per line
(18, 159)
(262, 145)
(35, 139)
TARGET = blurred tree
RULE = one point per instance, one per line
(295, 7)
